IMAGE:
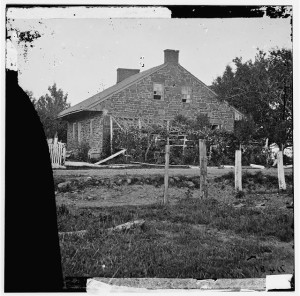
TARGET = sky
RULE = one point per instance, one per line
(81, 55)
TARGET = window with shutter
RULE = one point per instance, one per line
(158, 91)
(186, 94)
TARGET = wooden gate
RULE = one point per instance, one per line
(57, 152)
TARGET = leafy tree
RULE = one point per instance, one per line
(48, 107)
(31, 97)
(262, 89)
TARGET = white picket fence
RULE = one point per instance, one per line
(57, 152)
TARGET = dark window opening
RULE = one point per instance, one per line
(158, 91)
(186, 92)
(215, 126)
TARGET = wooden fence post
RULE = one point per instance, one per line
(167, 158)
(280, 170)
(238, 171)
(203, 169)
(111, 133)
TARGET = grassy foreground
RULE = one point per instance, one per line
(195, 238)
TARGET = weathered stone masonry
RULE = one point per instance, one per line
(136, 100)
(93, 137)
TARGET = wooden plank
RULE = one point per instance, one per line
(161, 165)
(111, 133)
(128, 225)
(256, 166)
(238, 171)
(280, 170)
(79, 232)
(82, 164)
(166, 181)
(110, 157)
(118, 124)
(203, 169)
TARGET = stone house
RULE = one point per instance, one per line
(154, 95)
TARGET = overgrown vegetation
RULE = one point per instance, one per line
(48, 107)
(147, 144)
(263, 90)
(181, 241)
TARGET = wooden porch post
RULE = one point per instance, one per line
(111, 133)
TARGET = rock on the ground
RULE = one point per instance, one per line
(64, 186)
(190, 184)
(239, 206)
(177, 179)
(119, 182)
(128, 225)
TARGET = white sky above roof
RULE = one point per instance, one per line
(82, 54)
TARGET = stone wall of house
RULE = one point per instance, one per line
(137, 100)
(94, 136)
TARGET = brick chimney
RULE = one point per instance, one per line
(125, 73)
(171, 56)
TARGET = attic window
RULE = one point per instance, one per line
(158, 91)
(216, 126)
(186, 94)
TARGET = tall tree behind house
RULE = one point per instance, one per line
(263, 89)
(48, 107)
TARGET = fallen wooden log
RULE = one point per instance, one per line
(256, 166)
(81, 164)
(110, 157)
(79, 232)
(128, 225)
(161, 165)
(228, 166)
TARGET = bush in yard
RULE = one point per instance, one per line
(141, 145)
(287, 160)
(82, 152)
(106, 147)
(191, 155)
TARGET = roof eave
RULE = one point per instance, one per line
(75, 112)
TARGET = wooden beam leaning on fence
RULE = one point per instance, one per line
(238, 170)
(166, 180)
(203, 169)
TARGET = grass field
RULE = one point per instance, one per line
(225, 236)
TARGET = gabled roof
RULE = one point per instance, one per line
(238, 111)
(89, 103)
